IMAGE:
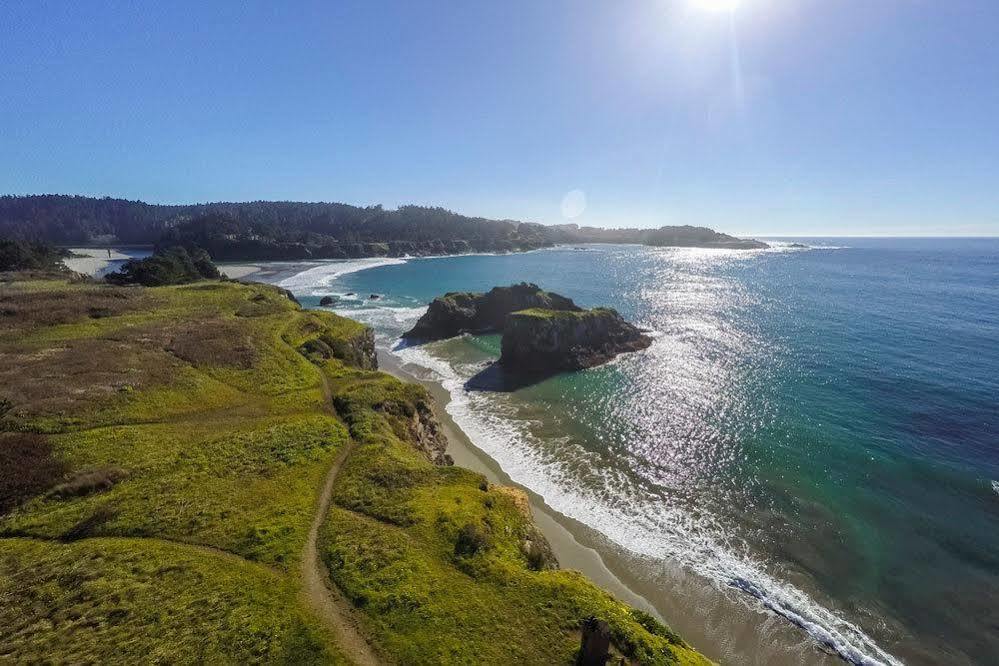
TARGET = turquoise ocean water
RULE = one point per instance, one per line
(816, 429)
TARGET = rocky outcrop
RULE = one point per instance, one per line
(595, 643)
(539, 341)
(357, 350)
(460, 312)
(327, 301)
(427, 435)
(415, 423)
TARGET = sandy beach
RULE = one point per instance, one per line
(239, 271)
(93, 260)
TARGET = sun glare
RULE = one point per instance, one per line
(717, 5)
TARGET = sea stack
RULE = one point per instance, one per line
(455, 313)
(540, 341)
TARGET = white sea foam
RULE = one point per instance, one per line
(647, 529)
(322, 276)
(798, 246)
(995, 487)
(387, 321)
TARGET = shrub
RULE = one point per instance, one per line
(175, 265)
(21, 256)
(471, 540)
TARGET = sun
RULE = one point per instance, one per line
(717, 5)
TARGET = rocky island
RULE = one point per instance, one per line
(540, 341)
(688, 236)
(455, 313)
(543, 332)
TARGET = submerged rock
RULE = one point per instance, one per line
(327, 301)
(460, 312)
(539, 341)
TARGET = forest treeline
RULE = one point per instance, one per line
(299, 230)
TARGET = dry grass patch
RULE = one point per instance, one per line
(212, 343)
(28, 467)
(25, 309)
(64, 380)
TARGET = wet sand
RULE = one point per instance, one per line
(715, 621)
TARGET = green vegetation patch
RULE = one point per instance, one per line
(173, 265)
(144, 601)
(244, 486)
(447, 569)
(544, 313)
(161, 465)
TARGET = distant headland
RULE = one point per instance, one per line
(289, 230)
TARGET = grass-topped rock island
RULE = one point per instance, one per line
(543, 341)
(543, 332)
(207, 473)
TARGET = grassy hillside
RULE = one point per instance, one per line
(162, 455)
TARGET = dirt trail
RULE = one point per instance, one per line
(328, 603)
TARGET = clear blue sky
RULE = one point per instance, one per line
(784, 117)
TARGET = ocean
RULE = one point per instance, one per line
(814, 431)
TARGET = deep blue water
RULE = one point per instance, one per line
(817, 427)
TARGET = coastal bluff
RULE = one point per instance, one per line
(235, 468)
(542, 341)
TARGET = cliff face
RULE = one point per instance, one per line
(544, 341)
(459, 312)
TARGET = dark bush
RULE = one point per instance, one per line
(471, 540)
(18, 255)
(175, 265)
(537, 556)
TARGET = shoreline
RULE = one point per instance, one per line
(570, 553)
(720, 622)
(715, 622)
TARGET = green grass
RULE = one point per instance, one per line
(162, 452)
(183, 425)
(144, 601)
(392, 546)
(544, 313)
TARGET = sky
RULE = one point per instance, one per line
(762, 117)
